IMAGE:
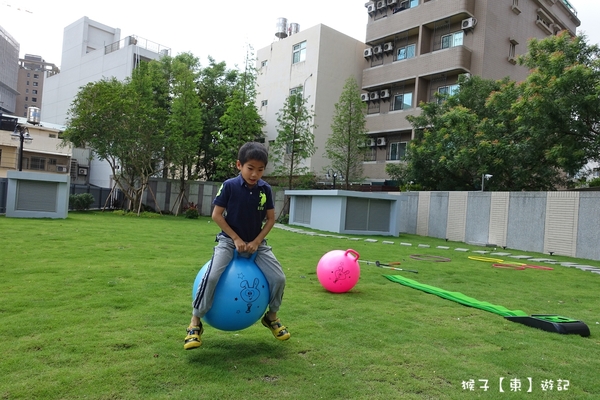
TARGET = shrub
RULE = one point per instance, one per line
(594, 182)
(81, 201)
(191, 211)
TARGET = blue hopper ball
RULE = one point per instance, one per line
(241, 296)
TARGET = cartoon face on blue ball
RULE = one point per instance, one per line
(250, 293)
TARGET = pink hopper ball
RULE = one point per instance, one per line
(338, 270)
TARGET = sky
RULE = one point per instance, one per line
(222, 30)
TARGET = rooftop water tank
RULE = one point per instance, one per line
(281, 28)
(293, 28)
(33, 115)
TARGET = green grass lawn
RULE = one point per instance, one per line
(96, 306)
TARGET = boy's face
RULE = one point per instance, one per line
(251, 171)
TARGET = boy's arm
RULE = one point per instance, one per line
(217, 216)
(269, 223)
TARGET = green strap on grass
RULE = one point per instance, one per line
(457, 297)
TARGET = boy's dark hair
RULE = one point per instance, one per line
(253, 151)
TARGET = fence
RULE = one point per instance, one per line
(102, 196)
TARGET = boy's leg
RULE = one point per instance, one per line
(222, 255)
(271, 268)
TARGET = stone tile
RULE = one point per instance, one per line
(459, 249)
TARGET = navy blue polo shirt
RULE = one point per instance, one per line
(246, 207)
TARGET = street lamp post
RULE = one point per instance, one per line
(331, 173)
(21, 133)
(484, 177)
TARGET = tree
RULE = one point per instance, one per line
(345, 147)
(483, 130)
(560, 98)
(241, 123)
(216, 85)
(123, 123)
(184, 123)
(295, 140)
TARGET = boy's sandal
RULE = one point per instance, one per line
(277, 329)
(193, 340)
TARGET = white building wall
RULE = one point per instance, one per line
(331, 57)
(84, 60)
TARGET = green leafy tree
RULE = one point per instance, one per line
(241, 123)
(345, 147)
(480, 130)
(184, 123)
(295, 140)
(560, 98)
(216, 85)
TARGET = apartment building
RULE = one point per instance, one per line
(92, 51)
(416, 48)
(317, 62)
(33, 70)
(9, 72)
(43, 150)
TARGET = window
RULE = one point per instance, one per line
(406, 52)
(52, 161)
(296, 90)
(36, 76)
(452, 40)
(264, 103)
(26, 98)
(448, 90)
(28, 74)
(26, 90)
(38, 163)
(35, 83)
(34, 91)
(263, 63)
(397, 150)
(299, 52)
(402, 101)
(27, 83)
(34, 99)
(371, 154)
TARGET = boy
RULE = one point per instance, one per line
(247, 200)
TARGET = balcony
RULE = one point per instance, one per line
(393, 121)
(454, 59)
(413, 17)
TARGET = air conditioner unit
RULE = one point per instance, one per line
(384, 94)
(377, 49)
(371, 142)
(389, 46)
(391, 2)
(364, 96)
(380, 141)
(373, 95)
(381, 4)
(468, 23)
(61, 168)
(370, 7)
(82, 171)
(368, 52)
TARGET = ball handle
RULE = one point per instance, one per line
(353, 252)
(251, 258)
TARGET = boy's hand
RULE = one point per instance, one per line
(240, 245)
(251, 247)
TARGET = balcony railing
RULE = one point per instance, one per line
(139, 42)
